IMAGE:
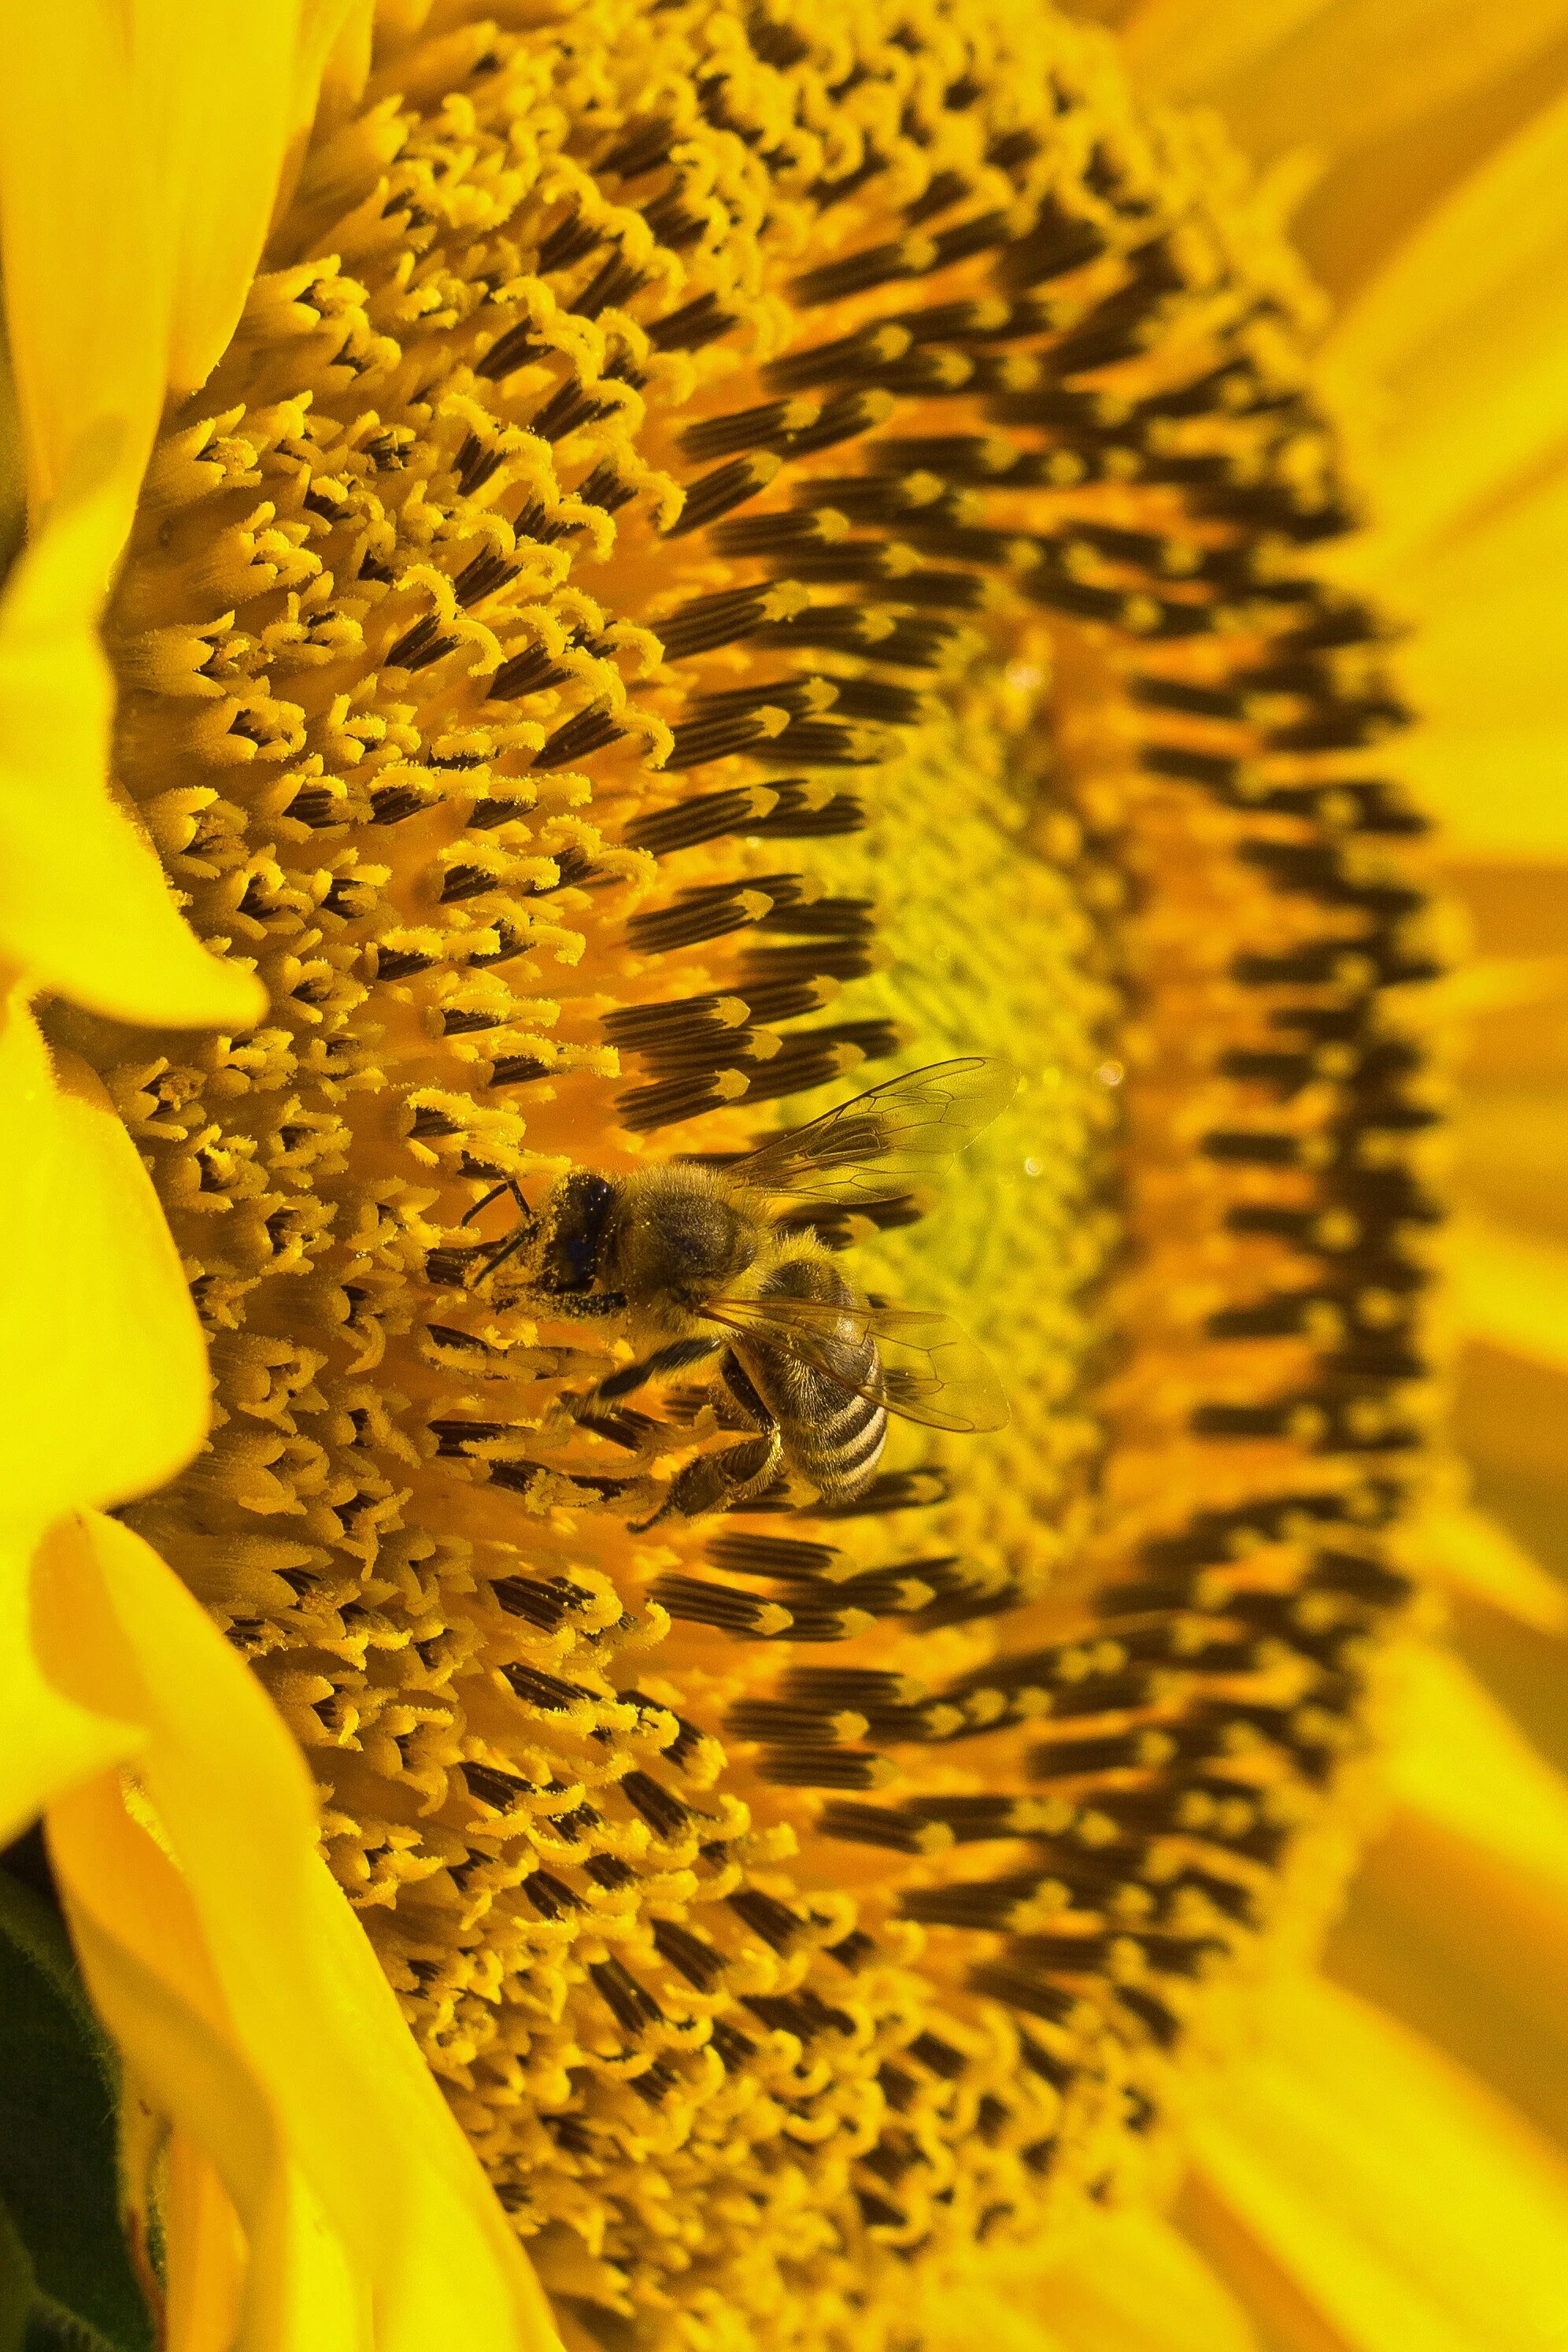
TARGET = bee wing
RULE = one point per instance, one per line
(874, 1147)
(927, 1366)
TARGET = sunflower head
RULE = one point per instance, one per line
(733, 552)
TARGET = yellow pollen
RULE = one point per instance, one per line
(733, 554)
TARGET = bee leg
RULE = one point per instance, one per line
(631, 1377)
(736, 1378)
(496, 1253)
(720, 1482)
(507, 1184)
(578, 1305)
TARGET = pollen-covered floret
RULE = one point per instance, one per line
(736, 548)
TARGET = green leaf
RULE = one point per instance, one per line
(66, 2277)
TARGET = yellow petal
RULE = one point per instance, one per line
(51, 1744)
(105, 1383)
(1458, 1760)
(346, 2138)
(1485, 666)
(1496, 793)
(1464, 334)
(101, 1355)
(1006, 2318)
(227, 137)
(1135, 2284)
(138, 167)
(1464, 325)
(1489, 654)
(84, 907)
(1415, 2211)
(1475, 1556)
(1331, 74)
(13, 469)
(1468, 1950)
(205, 2253)
(138, 1935)
(1510, 1123)
(1285, 2316)
(1129, 2282)
(1461, 1922)
(1503, 983)
(1512, 1290)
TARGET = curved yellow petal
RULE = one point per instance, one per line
(51, 1744)
(263, 1987)
(84, 907)
(1410, 2207)
(205, 2253)
(138, 1935)
(104, 1375)
(138, 173)
(101, 1355)
(1285, 2316)
(1456, 1942)
(139, 167)
(227, 137)
(1485, 667)
(1513, 1114)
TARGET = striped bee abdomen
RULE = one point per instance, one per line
(833, 1435)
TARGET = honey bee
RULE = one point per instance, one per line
(693, 1256)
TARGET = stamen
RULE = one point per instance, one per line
(1077, 492)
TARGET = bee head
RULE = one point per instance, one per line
(680, 1238)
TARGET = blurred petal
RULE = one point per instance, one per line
(1459, 1923)
(1465, 329)
(257, 2011)
(1330, 73)
(1415, 2211)
(1512, 1289)
(1474, 1555)
(1459, 1760)
(13, 468)
(1132, 2283)
(1135, 2284)
(205, 2253)
(1473, 1880)
(1510, 1122)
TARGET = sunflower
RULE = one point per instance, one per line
(719, 554)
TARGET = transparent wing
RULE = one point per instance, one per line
(877, 1146)
(927, 1366)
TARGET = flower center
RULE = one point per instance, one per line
(725, 551)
